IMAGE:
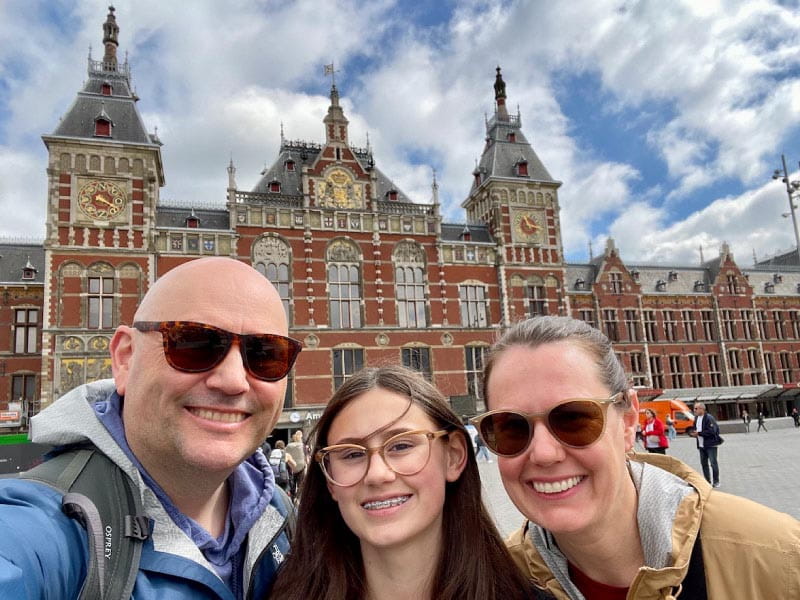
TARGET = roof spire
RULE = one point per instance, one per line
(231, 175)
(500, 96)
(110, 41)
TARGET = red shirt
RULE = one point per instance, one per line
(594, 589)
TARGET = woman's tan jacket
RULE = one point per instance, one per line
(749, 551)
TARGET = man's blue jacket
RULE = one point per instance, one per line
(44, 553)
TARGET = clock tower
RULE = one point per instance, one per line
(513, 193)
(104, 172)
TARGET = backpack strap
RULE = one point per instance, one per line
(101, 497)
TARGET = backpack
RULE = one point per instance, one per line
(277, 461)
(102, 498)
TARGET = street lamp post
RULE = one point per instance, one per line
(791, 188)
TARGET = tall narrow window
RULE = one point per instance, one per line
(612, 326)
(728, 325)
(676, 371)
(761, 321)
(26, 330)
(714, 372)
(670, 326)
(794, 316)
(786, 366)
(473, 359)
(650, 330)
(690, 334)
(707, 317)
(694, 371)
(657, 371)
(473, 304)
(731, 280)
(748, 325)
(272, 258)
(410, 288)
(101, 302)
(344, 284)
(779, 323)
(638, 376)
(346, 362)
(769, 366)
(587, 316)
(615, 279)
(23, 387)
(632, 325)
(418, 359)
(752, 365)
(537, 300)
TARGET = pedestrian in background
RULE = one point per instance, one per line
(481, 449)
(671, 433)
(746, 420)
(796, 417)
(761, 422)
(706, 433)
(654, 439)
(297, 450)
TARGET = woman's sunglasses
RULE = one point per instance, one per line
(197, 347)
(577, 423)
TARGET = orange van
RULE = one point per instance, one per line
(682, 417)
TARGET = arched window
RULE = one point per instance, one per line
(344, 284)
(271, 257)
(410, 287)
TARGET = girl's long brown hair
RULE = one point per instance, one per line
(325, 561)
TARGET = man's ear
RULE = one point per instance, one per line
(121, 357)
(630, 419)
(456, 455)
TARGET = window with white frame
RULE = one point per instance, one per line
(611, 324)
(346, 362)
(707, 320)
(777, 317)
(410, 286)
(536, 299)
(769, 366)
(474, 358)
(638, 375)
(100, 302)
(714, 372)
(689, 331)
(728, 325)
(587, 316)
(474, 305)
(695, 372)
(748, 325)
(657, 371)
(615, 280)
(26, 330)
(676, 372)
(761, 321)
(753, 366)
(650, 328)
(632, 325)
(344, 284)
(670, 326)
(272, 258)
(418, 359)
(786, 366)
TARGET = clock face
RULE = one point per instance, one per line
(527, 226)
(101, 200)
(339, 190)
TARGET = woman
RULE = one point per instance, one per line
(391, 504)
(605, 521)
(655, 441)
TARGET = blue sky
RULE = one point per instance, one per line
(663, 120)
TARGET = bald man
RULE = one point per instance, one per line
(199, 381)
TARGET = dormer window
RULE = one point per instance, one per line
(699, 286)
(28, 273)
(477, 176)
(580, 284)
(466, 234)
(391, 195)
(521, 168)
(769, 287)
(635, 275)
(661, 285)
(274, 186)
(289, 165)
(777, 278)
(102, 128)
(511, 137)
(106, 89)
(192, 222)
(673, 276)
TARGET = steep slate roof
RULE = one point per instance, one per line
(574, 272)
(786, 284)
(305, 153)
(453, 232)
(175, 216)
(15, 257)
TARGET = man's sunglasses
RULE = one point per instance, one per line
(577, 423)
(197, 347)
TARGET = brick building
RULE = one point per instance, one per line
(367, 274)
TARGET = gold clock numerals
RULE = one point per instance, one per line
(101, 200)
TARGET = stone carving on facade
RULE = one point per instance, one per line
(382, 339)
(343, 251)
(72, 344)
(269, 248)
(409, 252)
(98, 344)
(311, 341)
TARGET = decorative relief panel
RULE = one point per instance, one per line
(343, 251)
(269, 248)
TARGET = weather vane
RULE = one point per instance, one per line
(329, 70)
